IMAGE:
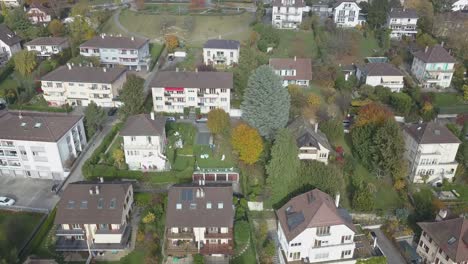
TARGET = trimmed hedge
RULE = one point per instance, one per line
(40, 236)
(40, 108)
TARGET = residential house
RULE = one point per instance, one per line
(39, 145)
(11, 3)
(346, 14)
(47, 46)
(444, 242)
(293, 71)
(460, 5)
(199, 219)
(321, 10)
(402, 22)
(433, 67)
(10, 43)
(221, 52)
(311, 229)
(75, 85)
(384, 74)
(144, 142)
(94, 217)
(174, 91)
(312, 143)
(287, 14)
(39, 13)
(430, 151)
(131, 52)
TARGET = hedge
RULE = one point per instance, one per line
(7, 70)
(40, 108)
(40, 236)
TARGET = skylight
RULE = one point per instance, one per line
(37, 125)
(23, 124)
(100, 204)
(112, 203)
(452, 240)
(71, 204)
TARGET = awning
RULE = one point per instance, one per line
(174, 89)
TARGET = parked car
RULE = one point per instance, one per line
(170, 119)
(202, 120)
(112, 111)
(6, 201)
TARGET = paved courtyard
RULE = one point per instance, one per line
(34, 193)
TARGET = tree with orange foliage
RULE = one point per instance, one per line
(172, 42)
(247, 142)
(372, 114)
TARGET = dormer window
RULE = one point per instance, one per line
(220, 205)
(178, 206)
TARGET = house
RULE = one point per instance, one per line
(346, 14)
(348, 70)
(221, 52)
(174, 91)
(11, 3)
(433, 67)
(402, 22)
(10, 43)
(200, 219)
(287, 14)
(460, 5)
(293, 71)
(444, 241)
(311, 228)
(131, 52)
(75, 85)
(94, 217)
(312, 143)
(144, 142)
(430, 150)
(379, 73)
(39, 13)
(39, 145)
(47, 46)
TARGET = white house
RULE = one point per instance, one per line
(346, 14)
(460, 5)
(293, 71)
(144, 142)
(311, 229)
(131, 52)
(287, 14)
(10, 43)
(94, 217)
(38, 13)
(39, 145)
(430, 151)
(221, 52)
(12, 3)
(75, 85)
(402, 22)
(444, 242)
(381, 73)
(174, 91)
(47, 46)
(312, 143)
(433, 67)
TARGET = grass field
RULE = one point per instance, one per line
(295, 43)
(368, 46)
(449, 103)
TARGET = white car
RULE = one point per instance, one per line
(5, 201)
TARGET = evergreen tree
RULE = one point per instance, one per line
(132, 96)
(94, 116)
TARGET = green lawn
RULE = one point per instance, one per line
(241, 237)
(368, 46)
(135, 257)
(9, 83)
(449, 103)
(295, 43)
(215, 156)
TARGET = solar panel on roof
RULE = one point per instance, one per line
(187, 195)
(294, 219)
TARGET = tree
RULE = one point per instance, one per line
(363, 200)
(327, 178)
(80, 9)
(247, 142)
(401, 102)
(314, 101)
(94, 116)
(383, 37)
(79, 31)
(25, 62)
(298, 100)
(266, 102)
(372, 113)
(119, 157)
(149, 218)
(132, 96)
(218, 121)
(465, 92)
(377, 15)
(283, 168)
(249, 60)
(333, 128)
(172, 42)
(56, 28)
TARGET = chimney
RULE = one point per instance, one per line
(133, 38)
(152, 115)
(316, 127)
(79, 65)
(103, 35)
(104, 69)
(20, 116)
(177, 69)
(295, 58)
(69, 66)
(199, 182)
(427, 48)
(219, 36)
(97, 190)
(337, 200)
(101, 179)
(202, 182)
(196, 69)
(91, 64)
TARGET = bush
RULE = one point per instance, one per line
(40, 108)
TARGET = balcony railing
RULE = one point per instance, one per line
(218, 235)
(69, 232)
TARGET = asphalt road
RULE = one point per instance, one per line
(388, 249)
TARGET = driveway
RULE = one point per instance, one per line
(35, 193)
(388, 249)
(203, 134)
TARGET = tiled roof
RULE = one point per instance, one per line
(221, 44)
(434, 54)
(47, 41)
(115, 42)
(380, 69)
(431, 133)
(291, 3)
(193, 79)
(8, 36)
(402, 13)
(143, 125)
(306, 136)
(302, 66)
(339, 2)
(84, 74)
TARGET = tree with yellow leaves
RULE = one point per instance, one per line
(172, 42)
(314, 101)
(247, 142)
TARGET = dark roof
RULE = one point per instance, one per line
(431, 133)
(403, 13)
(84, 74)
(193, 79)
(46, 41)
(305, 134)
(308, 210)
(451, 236)
(302, 66)
(198, 215)
(37, 4)
(339, 2)
(380, 69)
(8, 36)
(434, 54)
(221, 44)
(143, 125)
(25, 126)
(115, 42)
(92, 214)
(296, 3)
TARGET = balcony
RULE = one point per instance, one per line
(167, 103)
(181, 248)
(200, 94)
(225, 249)
(201, 104)
(167, 94)
(219, 235)
(7, 145)
(181, 235)
(69, 232)
(109, 231)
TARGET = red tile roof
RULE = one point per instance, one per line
(303, 67)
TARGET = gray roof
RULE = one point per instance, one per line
(79, 192)
(47, 41)
(115, 42)
(339, 2)
(380, 69)
(193, 79)
(306, 136)
(25, 126)
(8, 36)
(221, 44)
(84, 74)
(143, 125)
(403, 13)
(303, 67)
(431, 133)
(435, 54)
(297, 3)
(199, 215)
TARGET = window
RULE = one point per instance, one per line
(71, 204)
(23, 152)
(84, 205)
(208, 205)
(223, 99)
(345, 238)
(149, 139)
(345, 253)
(179, 206)
(193, 206)
(321, 255)
(323, 231)
(212, 91)
(112, 203)
(132, 139)
(220, 205)
(103, 226)
(295, 255)
(158, 98)
(208, 53)
(317, 243)
(75, 226)
(295, 244)
(223, 90)
(100, 203)
(96, 50)
(231, 54)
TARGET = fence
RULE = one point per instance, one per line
(17, 208)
